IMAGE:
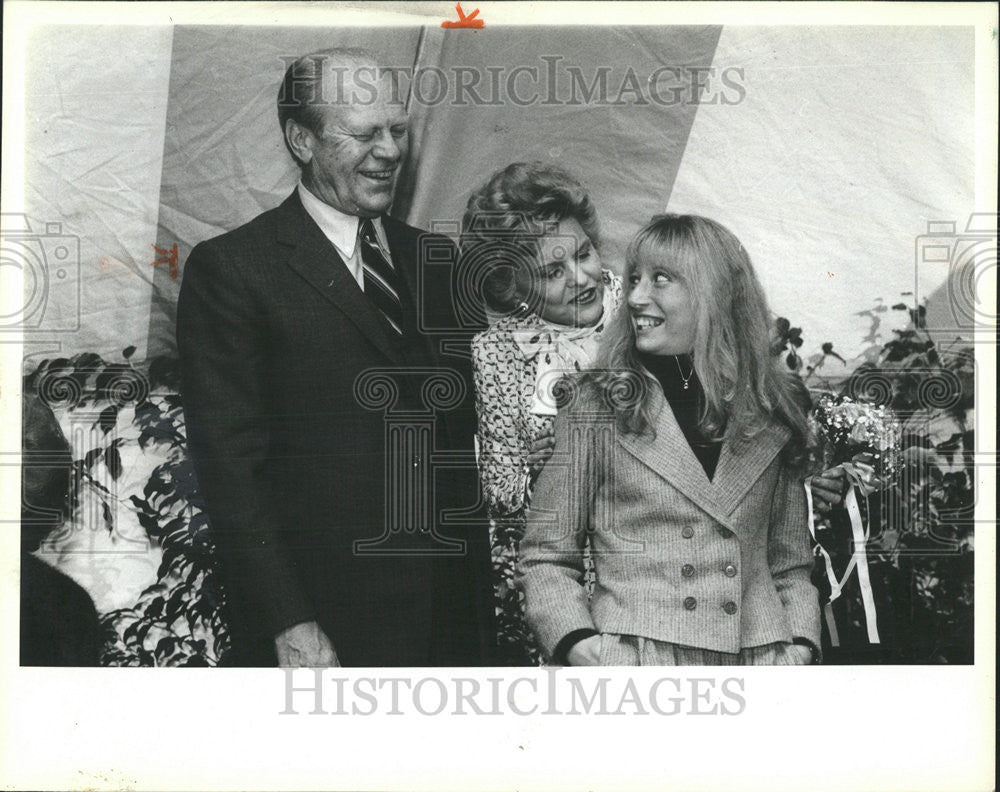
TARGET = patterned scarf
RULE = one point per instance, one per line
(563, 349)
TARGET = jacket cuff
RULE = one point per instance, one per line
(284, 605)
(568, 641)
(817, 655)
(803, 610)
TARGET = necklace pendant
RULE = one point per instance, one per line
(685, 386)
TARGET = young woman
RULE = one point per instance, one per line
(680, 459)
(529, 243)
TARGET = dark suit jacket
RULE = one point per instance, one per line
(290, 445)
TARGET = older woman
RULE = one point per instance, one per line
(529, 241)
(681, 462)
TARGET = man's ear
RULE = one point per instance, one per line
(300, 140)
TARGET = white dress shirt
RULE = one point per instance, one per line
(342, 231)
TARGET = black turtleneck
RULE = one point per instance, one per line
(686, 403)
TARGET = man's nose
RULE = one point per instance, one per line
(386, 147)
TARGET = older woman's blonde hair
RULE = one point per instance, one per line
(504, 220)
(744, 385)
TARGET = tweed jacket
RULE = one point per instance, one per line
(720, 565)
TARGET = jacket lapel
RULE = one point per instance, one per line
(312, 256)
(670, 456)
(741, 462)
(402, 252)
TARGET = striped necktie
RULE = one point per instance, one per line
(381, 281)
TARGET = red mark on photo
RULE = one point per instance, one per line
(830, 274)
(167, 256)
(464, 21)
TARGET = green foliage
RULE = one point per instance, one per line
(177, 621)
(787, 339)
(921, 552)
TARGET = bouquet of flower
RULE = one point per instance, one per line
(854, 428)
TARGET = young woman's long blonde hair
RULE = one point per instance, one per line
(744, 385)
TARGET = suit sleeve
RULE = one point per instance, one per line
(502, 458)
(221, 337)
(550, 565)
(789, 556)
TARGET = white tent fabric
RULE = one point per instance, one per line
(93, 160)
(843, 143)
(626, 154)
(849, 141)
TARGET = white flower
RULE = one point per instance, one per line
(849, 411)
(859, 433)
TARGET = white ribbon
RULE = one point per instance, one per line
(860, 477)
(861, 482)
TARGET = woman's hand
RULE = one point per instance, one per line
(586, 652)
(541, 450)
(800, 655)
(828, 488)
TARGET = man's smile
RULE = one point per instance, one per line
(380, 176)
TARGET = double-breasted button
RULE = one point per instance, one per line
(687, 570)
(729, 570)
(724, 532)
(687, 531)
(729, 607)
(690, 603)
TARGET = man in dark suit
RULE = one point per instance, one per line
(309, 372)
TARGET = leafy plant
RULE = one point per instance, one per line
(921, 552)
(177, 620)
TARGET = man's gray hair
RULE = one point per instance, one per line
(300, 96)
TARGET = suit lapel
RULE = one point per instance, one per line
(403, 261)
(741, 462)
(314, 258)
